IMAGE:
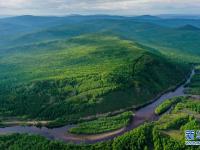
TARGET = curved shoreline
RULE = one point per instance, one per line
(171, 89)
(144, 113)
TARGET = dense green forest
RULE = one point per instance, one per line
(103, 124)
(83, 76)
(64, 70)
(167, 133)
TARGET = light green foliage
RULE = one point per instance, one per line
(103, 124)
(164, 106)
(169, 131)
(173, 121)
(192, 125)
(189, 106)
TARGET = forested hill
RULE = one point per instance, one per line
(80, 76)
(149, 30)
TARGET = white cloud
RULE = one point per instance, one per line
(125, 7)
(12, 3)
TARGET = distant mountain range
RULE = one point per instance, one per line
(164, 16)
(175, 16)
(150, 30)
(189, 27)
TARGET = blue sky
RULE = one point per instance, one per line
(114, 7)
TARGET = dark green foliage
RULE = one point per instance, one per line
(26, 142)
(138, 139)
(164, 142)
(103, 124)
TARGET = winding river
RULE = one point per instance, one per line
(142, 115)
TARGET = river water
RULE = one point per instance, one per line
(142, 115)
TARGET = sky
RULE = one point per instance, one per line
(88, 7)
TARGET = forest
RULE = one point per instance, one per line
(90, 74)
(166, 133)
(95, 73)
(164, 106)
(103, 124)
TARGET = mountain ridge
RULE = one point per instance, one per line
(90, 71)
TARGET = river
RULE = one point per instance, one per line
(142, 115)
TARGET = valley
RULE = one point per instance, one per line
(142, 115)
(98, 82)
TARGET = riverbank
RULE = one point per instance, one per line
(142, 115)
(10, 121)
